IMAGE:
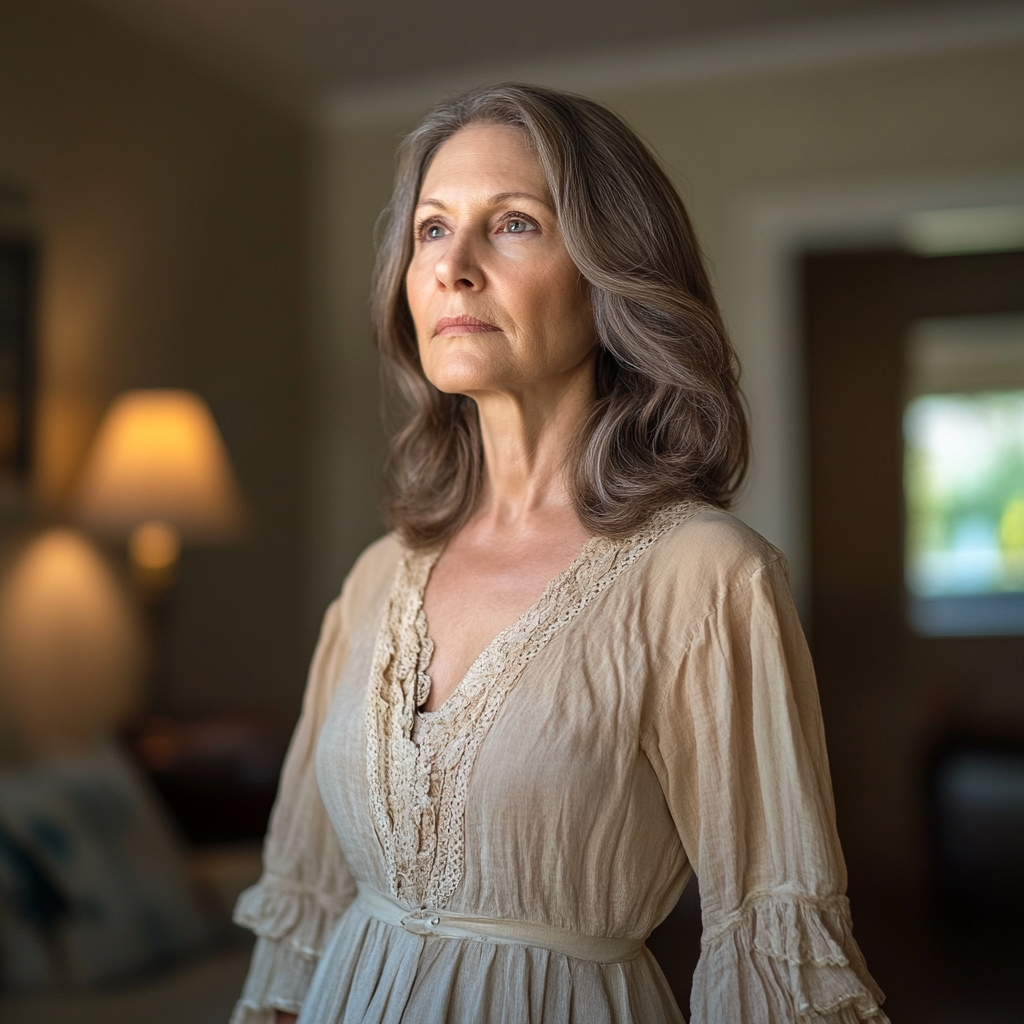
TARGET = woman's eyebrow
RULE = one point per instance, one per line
(503, 197)
(495, 200)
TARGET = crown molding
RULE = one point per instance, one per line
(792, 48)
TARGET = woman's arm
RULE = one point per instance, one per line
(741, 750)
(306, 885)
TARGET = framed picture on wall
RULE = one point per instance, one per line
(17, 344)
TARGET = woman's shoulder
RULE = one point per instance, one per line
(370, 577)
(707, 566)
(712, 550)
(719, 535)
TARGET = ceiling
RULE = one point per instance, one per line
(298, 52)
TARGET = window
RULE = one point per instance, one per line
(964, 476)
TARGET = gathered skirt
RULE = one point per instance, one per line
(374, 972)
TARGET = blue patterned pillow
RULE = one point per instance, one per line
(92, 887)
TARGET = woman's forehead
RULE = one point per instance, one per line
(487, 159)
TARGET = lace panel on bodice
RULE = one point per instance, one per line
(418, 764)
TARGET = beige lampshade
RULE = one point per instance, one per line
(70, 646)
(158, 456)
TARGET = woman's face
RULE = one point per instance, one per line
(498, 304)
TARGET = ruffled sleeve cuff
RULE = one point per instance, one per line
(293, 924)
(793, 956)
(278, 979)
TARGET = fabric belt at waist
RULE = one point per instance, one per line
(446, 925)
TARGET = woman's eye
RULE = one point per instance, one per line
(433, 231)
(518, 226)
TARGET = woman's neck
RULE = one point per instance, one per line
(526, 438)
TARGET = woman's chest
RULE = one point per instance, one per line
(481, 584)
(536, 770)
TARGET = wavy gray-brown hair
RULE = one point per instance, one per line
(669, 421)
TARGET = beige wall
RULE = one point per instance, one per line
(351, 180)
(170, 212)
(854, 130)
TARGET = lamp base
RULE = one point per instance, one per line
(158, 608)
(154, 547)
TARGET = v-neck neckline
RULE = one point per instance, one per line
(426, 642)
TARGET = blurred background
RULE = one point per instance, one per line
(190, 439)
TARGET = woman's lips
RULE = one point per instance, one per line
(462, 325)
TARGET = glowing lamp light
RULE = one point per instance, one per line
(70, 650)
(159, 474)
(154, 545)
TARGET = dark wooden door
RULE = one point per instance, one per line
(888, 695)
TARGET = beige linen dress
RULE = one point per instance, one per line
(502, 859)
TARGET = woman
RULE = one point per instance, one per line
(569, 680)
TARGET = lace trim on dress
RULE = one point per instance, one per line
(798, 952)
(418, 764)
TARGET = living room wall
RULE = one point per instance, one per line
(169, 211)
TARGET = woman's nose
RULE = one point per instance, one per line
(458, 267)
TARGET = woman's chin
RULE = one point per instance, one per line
(467, 380)
(471, 387)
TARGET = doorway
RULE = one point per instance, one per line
(903, 695)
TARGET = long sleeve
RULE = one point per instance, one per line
(306, 885)
(738, 743)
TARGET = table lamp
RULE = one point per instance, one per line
(158, 474)
(70, 662)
